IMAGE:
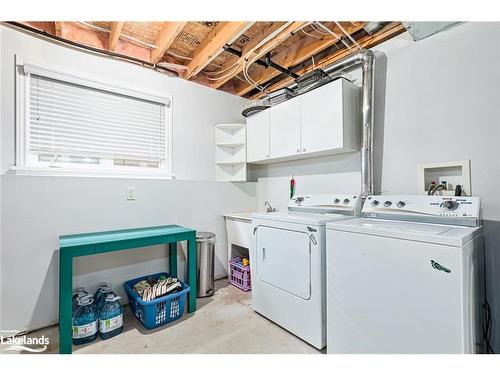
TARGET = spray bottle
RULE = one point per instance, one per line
(292, 186)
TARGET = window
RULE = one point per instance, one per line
(74, 125)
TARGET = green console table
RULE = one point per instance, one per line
(78, 245)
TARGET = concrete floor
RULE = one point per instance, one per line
(223, 324)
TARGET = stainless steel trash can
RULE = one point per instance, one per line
(205, 252)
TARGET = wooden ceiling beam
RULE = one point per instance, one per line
(301, 50)
(252, 53)
(114, 35)
(212, 45)
(167, 35)
(58, 28)
(388, 32)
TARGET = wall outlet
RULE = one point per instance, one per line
(131, 193)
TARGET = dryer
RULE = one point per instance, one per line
(287, 260)
(406, 277)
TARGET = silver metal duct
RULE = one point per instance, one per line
(366, 60)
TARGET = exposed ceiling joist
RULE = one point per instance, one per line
(252, 53)
(167, 35)
(58, 28)
(301, 50)
(264, 53)
(212, 45)
(391, 30)
(114, 35)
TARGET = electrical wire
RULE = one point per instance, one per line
(311, 35)
(335, 35)
(487, 317)
(318, 29)
(236, 66)
(223, 70)
(348, 35)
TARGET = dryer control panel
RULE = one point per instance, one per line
(424, 208)
(326, 203)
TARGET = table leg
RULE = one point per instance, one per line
(65, 308)
(172, 258)
(192, 273)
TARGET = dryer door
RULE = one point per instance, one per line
(283, 260)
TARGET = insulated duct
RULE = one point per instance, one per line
(366, 60)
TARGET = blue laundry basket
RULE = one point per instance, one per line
(159, 311)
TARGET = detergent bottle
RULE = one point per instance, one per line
(85, 321)
(111, 317)
(101, 293)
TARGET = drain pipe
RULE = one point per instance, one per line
(366, 60)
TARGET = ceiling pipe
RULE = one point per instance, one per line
(366, 60)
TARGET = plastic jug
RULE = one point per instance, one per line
(101, 293)
(111, 317)
(78, 296)
(85, 321)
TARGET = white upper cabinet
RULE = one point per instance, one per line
(284, 129)
(258, 137)
(324, 121)
(322, 117)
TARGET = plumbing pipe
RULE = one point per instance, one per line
(366, 60)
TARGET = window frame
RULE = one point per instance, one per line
(106, 169)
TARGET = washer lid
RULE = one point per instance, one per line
(433, 233)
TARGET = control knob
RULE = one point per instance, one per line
(346, 201)
(375, 203)
(401, 204)
(387, 204)
(450, 205)
(336, 201)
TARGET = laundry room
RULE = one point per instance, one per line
(248, 186)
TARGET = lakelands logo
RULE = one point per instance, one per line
(11, 343)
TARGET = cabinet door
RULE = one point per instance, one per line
(258, 137)
(321, 118)
(285, 129)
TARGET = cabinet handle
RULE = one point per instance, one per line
(267, 155)
(303, 150)
(298, 150)
(263, 254)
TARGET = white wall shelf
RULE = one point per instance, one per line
(230, 162)
(230, 152)
(230, 145)
(230, 127)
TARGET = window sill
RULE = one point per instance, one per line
(75, 172)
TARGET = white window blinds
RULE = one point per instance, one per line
(66, 118)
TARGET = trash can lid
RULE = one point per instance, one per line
(204, 235)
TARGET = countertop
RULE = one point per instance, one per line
(242, 216)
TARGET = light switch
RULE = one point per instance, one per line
(131, 193)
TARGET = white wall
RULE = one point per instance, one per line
(36, 210)
(438, 100)
(196, 108)
(440, 103)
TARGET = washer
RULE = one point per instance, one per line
(406, 277)
(287, 259)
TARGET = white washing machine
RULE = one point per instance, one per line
(406, 277)
(287, 259)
